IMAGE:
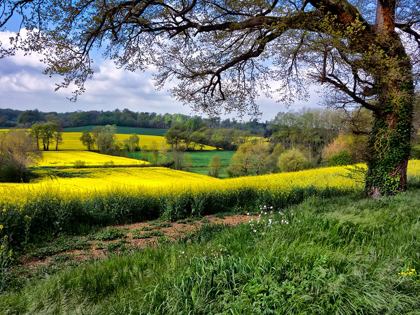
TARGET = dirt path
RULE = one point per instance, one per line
(135, 236)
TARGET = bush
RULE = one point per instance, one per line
(215, 166)
(415, 152)
(252, 159)
(292, 160)
(18, 151)
(79, 164)
(340, 159)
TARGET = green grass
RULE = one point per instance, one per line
(138, 235)
(338, 255)
(123, 130)
(203, 158)
(109, 233)
(205, 171)
(200, 160)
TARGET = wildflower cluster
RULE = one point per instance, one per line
(268, 220)
(215, 253)
(409, 272)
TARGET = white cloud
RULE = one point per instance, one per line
(24, 86)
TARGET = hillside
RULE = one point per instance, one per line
(342, 255)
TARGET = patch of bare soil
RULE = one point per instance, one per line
(171, 232)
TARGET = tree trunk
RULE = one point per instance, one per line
(389, 144)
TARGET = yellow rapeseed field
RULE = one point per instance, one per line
(69, 158)
(160, 181)
(154, 181)
(71, 141)
(64, 199)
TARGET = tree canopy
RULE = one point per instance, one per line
(223, 54)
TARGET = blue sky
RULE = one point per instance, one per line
(24, 86)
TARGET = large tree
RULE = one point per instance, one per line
(223, 53)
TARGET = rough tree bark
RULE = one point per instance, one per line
(389, 144)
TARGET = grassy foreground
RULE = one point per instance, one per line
(341, 255)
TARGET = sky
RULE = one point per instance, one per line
(24, 86)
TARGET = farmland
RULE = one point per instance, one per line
(71, 141)
(121, 230)
(123, 130)
(68, 200)
(84, 158)
(200, 160)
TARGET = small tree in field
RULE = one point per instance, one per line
(132, 143)
(107, 141)
(47, 133)
(163, 152)
(199, 139)
(58, 137)
(251, 159)
(88, 140)
(154, 152)
(179, 158)
(36, 130)
(215, 166)
(292, 160)
(96, 131)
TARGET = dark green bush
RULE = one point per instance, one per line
(340, 159)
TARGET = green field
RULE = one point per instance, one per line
(123, 130)
(200, 160)
(204, 170)
(341, 255)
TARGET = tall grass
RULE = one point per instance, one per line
(325, 256)
(50, 212)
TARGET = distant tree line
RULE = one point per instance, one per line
(104, 140)
(127, 118)
(188, 136)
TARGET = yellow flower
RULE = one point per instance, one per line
(4, 210)
(2, 246)
(1, 227)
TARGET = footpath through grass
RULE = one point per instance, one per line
(342, 255)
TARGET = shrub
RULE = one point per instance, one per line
(215, 166)
(251, 159)
(415, 152)
(18, 151)
(340, 158)
(292, 160)
(79, 164)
